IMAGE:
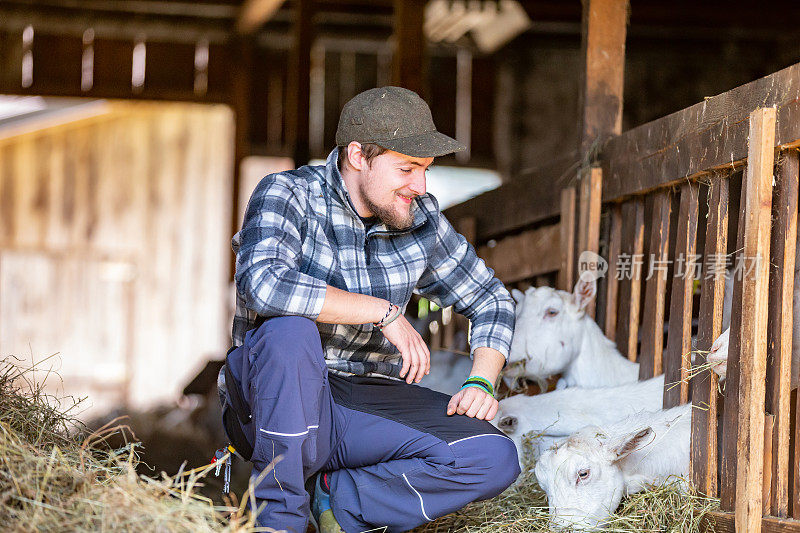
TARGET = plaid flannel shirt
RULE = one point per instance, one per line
(301, 233)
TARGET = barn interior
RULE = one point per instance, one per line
(133, 131)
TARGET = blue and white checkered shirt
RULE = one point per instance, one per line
(301, 233)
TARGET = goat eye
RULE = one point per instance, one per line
(551, 312)
(583, 474)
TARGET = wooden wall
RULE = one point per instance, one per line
(114, 247)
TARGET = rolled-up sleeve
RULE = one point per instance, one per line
(457, 276)
(269, 250)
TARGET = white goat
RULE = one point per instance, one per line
(553, 335)
(586, 475)
(554, 415)
(560, 413)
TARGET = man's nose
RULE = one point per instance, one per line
(418, 184)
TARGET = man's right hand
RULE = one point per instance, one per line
(415, 354)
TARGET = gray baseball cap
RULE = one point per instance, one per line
(394, 118)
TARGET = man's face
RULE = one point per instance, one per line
(389, 185)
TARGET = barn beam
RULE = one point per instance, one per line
(604, 29)
(603, 42)
(298, 93)
(409, 64)
(241, 84)
(255, 13)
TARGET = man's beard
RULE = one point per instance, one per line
(391, 218)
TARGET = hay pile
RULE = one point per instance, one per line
(55, 477)
(522, 508)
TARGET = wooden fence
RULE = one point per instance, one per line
(716, 183)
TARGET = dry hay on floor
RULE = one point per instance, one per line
(53, 477)
(522, 508)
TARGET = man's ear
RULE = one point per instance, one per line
(354, 156)
(585, 290)
(621, 448)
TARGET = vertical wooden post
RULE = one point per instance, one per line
(779, 362)
(677, 359)
(566, 275)
(650, 358)
(409, 64)
(298, 94)
(603, 41)
(749, 354)
(704, 387)
(612, 283)
(591, 189)
(604, 29)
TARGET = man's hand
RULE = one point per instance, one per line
(474, 403)
(416, 356)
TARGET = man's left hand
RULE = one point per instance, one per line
(474, 403)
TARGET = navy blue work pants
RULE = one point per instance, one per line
(396, 459)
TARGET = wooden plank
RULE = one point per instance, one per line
(766, 484)
(722, 522)
(664, 151)
(630, 275)
(566, 274)
(704, 386)
(779, 344)
(756, 211)
(650, 358)
(604, 29)
(255, 13)
(532, 197)
(409, 62)
(730, 412)
(525, 255)
(677, 359)
(589, 219)
(612, 283)
(794, 501)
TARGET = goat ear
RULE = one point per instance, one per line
(585, 291)
(508, 424)
(518, 296)
(630, 443)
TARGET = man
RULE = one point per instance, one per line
(326, 261)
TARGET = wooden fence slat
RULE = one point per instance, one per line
(591, 189)
(766, 486)
(612, 283)
(650, 357)
(794, 474)
(704, 386)
(677, 359)
(751, 350)
(566, 275)
(631, 282)
(730, 416)
(779, 361)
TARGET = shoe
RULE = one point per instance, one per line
(321, 513)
